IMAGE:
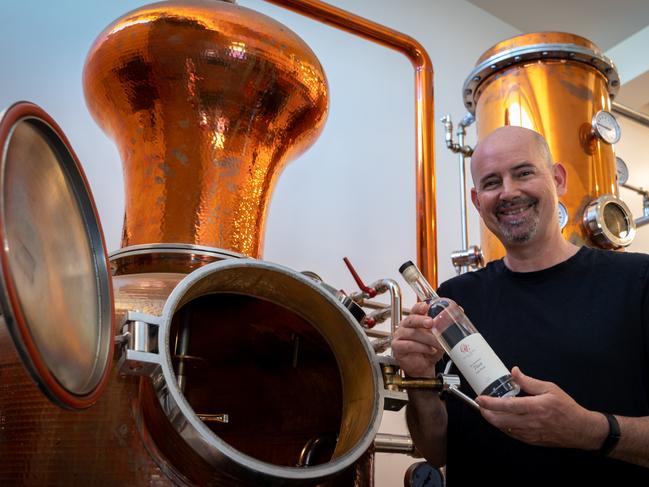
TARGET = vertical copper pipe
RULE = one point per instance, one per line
(424, 116)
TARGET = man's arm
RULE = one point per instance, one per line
(417, 351)
(427, 422)
(633, 446)
(550, 417)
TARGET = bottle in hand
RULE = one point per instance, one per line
(469, 351)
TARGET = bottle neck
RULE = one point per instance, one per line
(423, 289)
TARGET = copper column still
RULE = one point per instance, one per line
(556, 83)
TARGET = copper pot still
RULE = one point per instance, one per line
(561, 86)
(235, 371)
(207, 102)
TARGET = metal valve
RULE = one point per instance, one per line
(396, 384)
(471, 258)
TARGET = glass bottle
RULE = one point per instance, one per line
(469, 351)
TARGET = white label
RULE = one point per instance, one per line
(477, 361)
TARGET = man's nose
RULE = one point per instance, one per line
(510, 189)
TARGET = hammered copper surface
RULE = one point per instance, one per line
(105, 445)
(44, 445)
(207, 102)
(558, 99)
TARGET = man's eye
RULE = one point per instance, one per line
(489, 184)
(523, 174)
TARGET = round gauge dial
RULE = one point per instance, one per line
(605, 127)
(423, 474)
(621, 170)
(563, 215)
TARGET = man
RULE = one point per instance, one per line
(573, 321)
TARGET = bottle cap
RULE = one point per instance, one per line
(405, 265)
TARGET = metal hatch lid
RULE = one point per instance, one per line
(55, 287)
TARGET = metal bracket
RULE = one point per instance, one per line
(139, 340)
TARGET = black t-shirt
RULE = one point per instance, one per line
(582, 324)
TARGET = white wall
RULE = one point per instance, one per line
(353, 193)
(633, 148)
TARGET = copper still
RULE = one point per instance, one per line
(252, 374)
(561, 86)
(206, 110)
(181, 359)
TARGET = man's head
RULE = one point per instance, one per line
(516, 185)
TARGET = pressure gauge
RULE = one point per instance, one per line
(605, 127)
(423, 474)
(621, 170)
(563, 215)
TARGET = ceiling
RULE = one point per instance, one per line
(620, 29)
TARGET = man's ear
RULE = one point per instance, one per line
(474, 198)
(560, 177)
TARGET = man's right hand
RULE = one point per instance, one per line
(414, 346)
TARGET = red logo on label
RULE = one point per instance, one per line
(464, 348)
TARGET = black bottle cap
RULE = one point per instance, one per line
(404, 266)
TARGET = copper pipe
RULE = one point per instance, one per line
(424, 119)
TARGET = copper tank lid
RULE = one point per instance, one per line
(534, 47)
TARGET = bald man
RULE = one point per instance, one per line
(574, 323)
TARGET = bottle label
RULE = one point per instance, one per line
(477, 361)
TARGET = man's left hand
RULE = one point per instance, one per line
(548, 417)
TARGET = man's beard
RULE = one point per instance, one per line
(520, 230)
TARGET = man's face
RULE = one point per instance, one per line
(516, 189)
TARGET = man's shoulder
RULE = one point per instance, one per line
(631, 260)
(472, 281)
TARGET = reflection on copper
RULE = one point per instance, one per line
(424, 116)
(207, 102)
(557, 98)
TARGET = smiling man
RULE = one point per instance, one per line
(576, 320)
